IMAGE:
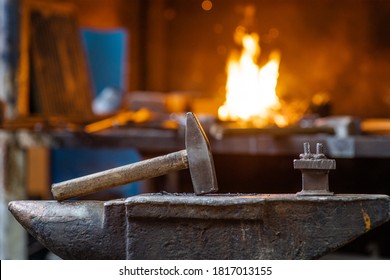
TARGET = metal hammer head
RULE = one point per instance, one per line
(200, 160)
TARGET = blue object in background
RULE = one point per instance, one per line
(107, 59)
(106, 52)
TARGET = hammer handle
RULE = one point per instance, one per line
(126, 174)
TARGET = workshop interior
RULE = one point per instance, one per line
(198, 129)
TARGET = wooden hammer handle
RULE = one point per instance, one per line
(126, 174)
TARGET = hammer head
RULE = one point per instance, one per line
(200, 160)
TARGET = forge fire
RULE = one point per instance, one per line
(251, 89)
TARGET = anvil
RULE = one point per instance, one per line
(216, 226)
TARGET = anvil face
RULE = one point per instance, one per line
(185, 226)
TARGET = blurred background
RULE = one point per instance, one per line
(87, 85)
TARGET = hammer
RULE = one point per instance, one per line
(197, 157)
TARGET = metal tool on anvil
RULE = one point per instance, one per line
(315, 169)
(197, 157)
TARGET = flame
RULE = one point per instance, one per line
(251, 89)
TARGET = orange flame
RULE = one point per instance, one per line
(251, 89)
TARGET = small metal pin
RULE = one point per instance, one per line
(306, 151)
(319, 151)
(320, 148)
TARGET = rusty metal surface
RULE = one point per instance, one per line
(185, 226)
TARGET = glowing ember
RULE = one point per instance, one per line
(251, 89)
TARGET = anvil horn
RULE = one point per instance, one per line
(73, 229)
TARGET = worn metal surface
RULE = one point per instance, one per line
(74, 230)
(315, 169)
(173, 226)
(197, 157)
